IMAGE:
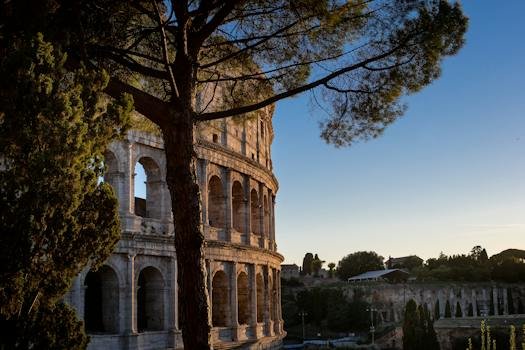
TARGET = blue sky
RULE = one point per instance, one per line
(447, 176)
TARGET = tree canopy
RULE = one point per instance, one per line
(55, 217)
(186, 62)
(357, 263)
(474, 267)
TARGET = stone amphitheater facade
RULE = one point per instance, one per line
(131, 302)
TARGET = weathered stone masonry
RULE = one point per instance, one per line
(131, 302)
(482, 298)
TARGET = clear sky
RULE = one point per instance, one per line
(447, 176)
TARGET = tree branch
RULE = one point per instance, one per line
(148, 105)
(295, 91)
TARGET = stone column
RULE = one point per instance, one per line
(474, 303)
(257, 145)
(486, 304)
(495, 297)
(505, 302)
(234, 302)
(76, 296)
(228, 206)
(131, 300)
(166, 212)
(155, 199)
(273, 221)
(452, 298)
(253, 298)
(261, 216)
(117, 180)
(127, 200)
(174, 296)
(267, 291)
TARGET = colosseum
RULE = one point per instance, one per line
(131, 302)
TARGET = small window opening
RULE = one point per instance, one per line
(215, 138)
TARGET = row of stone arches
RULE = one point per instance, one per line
(249, 311)
(251, 210)
(244, 205)
(102, 300)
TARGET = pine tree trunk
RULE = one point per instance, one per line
(179, 144)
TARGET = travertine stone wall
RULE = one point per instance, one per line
(131, 302)
(483, 299)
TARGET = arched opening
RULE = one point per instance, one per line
(260, 298)
(216, 203)
(255, 212)
(220, 300)
(150, 300)
(266, 216)
(147, 189)
(101, 301)
(243, 299)
(238, 206)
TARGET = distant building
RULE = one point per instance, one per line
(389, 275)
(290, 270)
(405, 262)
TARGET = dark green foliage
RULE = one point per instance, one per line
(307, 264)
(317, 265)
(410, 327)
(329, 306)
(448, 311)
(54, 327)
(292, 282)
(54, 217)
(437, 312)
(474, 267)
(357, 263)
(331, 271)
(409, 263)
(470, 312)
(418, 328)
(459, 312)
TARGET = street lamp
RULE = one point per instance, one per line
(372, 328)
(302, 314)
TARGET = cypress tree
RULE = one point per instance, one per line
(459, 312)
(55, 217)
(410, 325)
(448, 312)
(418, 328)
(430, 341)
(437, 312)
(470, 310)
